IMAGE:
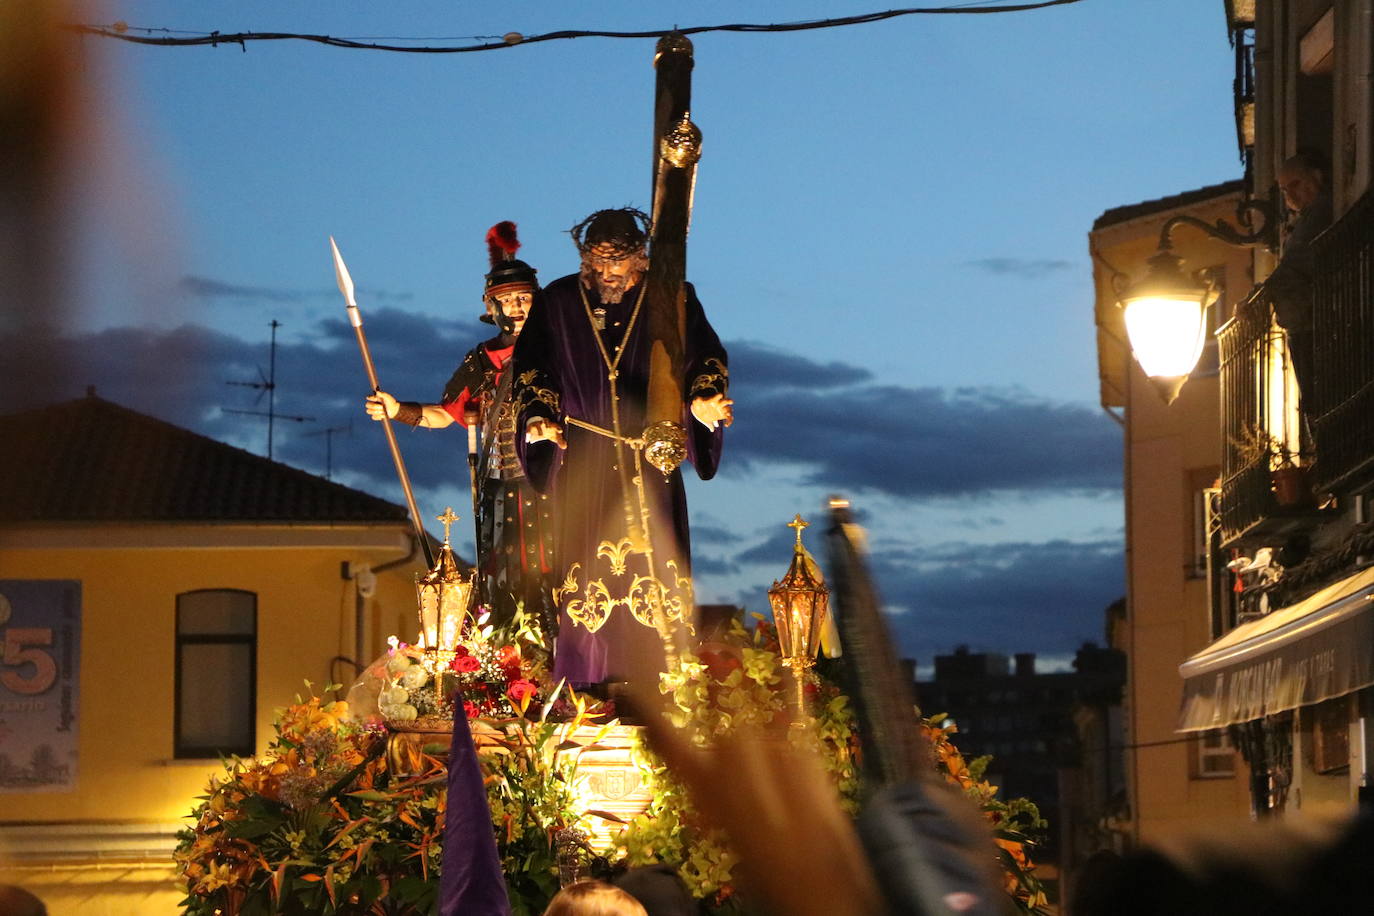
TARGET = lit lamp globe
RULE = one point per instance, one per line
(800, 602)
(1166, 321)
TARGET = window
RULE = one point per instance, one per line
(1215, 757)
(1331, 736)
(216, 673)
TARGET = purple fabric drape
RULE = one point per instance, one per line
(470, 879)
(560, 373)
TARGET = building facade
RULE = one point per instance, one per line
(1250, 623)
(1171, 462)
(1290, 678)
(160, 595)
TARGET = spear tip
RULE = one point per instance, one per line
(341, 274)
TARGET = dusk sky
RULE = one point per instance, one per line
(889, 233)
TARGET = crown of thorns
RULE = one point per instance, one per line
(621, 232)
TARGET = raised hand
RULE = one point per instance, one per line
(713, 411)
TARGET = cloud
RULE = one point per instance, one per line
(830, 419)
(715, 534)
(182, 376)
(850, 434)
(207, 288)
(1024, 268)
(210, 288)
(781, 369)
(1050, 595)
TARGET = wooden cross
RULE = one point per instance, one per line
(798, 523)
(448, 518)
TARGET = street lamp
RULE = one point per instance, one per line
(1166, 322)
(1166, 311)
(800, 602)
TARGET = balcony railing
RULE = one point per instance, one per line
(1316, 313)
(1341, 405)
(1247, 354)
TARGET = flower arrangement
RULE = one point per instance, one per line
(738, 682)
(1015, 823)
(416, 685)
(321, 824)
(314, 825)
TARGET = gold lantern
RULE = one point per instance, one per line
(444, 595)
(800, 602)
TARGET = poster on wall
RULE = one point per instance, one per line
(40, 635)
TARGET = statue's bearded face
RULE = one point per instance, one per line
(612, 272)
(515, 305)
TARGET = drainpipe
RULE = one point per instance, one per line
(364, 579)
(1132, 662)
(1362, 117)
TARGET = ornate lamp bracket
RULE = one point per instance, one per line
(1248, 234)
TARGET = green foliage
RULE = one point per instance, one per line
(320, 824)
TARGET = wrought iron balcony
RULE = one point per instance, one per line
(1246, 345)
(1341, 405)
(1316, 313)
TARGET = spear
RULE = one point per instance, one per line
(355, 318)
(473, 419)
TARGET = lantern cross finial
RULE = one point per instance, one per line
(448, 518)
(798, 523)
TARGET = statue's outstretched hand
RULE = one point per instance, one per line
(538, 430)
(379, 402)
(714, 411)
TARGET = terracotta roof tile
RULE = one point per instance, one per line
(92, 460)
(1174, 201)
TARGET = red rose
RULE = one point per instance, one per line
(471, 709)
(720, 664)
(521, 690)
(508, 657)
(465, 664)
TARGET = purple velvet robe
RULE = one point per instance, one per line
(560, 373)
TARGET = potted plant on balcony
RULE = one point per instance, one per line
(1287, 475)
(1289, 479)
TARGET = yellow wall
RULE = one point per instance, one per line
(1171, 451)
(125, 771)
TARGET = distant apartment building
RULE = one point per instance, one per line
(1054, 737)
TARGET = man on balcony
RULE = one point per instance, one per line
(1307, 195)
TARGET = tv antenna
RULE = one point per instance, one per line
(267, 384)
(329, 445)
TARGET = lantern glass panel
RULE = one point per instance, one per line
(1167, 333)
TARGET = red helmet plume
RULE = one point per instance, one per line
(502, 243)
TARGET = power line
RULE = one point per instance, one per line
(121, 31)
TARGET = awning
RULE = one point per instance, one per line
(1319, 648)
